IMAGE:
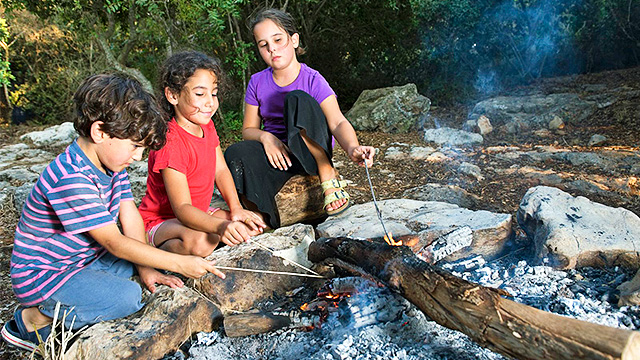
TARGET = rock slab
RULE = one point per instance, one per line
(575, 231)
(428, 218)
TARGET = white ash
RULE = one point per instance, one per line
(378, 324)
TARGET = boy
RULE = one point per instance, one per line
(68, 247)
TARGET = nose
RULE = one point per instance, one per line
(137, 155)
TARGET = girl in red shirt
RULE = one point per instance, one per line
(182, 174)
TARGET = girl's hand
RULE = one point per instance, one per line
(251, 219)
(195, 267)
(234, 233)
(277, 152)
(150, 277)
(362, 154)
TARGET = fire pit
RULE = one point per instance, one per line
(354, 318)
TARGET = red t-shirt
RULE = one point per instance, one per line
(191, 155)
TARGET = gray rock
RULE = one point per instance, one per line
(420, 152)
(574, 231)
(597, 139)
(534, 111)
(20, 194)
(138, 178)
(21, 174)
(395, 153)
(446, 193)
(59, 135)
(394, 109)
(556, 123)
(449, 136)
(484, 124)
(471, 170)
(21, 154)
(402, 217)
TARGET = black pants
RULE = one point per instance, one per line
(252, 173)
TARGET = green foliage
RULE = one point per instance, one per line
(453, 50)
(5, 70)
(229, 126)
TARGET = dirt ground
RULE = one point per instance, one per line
(619, 123)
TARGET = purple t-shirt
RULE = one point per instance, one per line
(264, 93)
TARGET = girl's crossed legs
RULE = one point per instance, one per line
(173, 236)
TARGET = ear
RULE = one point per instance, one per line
(295, 39)
(171, 97)
(97, 135)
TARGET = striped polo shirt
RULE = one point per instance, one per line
(71, 197)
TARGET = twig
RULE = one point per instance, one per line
(289, 260)
(269, 272)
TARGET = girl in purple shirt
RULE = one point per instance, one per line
(291, 116)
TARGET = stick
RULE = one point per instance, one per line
(269, 272)
(280, 256)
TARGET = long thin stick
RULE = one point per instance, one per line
(289, 260)
(375, 203)
(268, 272)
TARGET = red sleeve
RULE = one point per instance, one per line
(173, 155)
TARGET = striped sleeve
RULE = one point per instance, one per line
(78, 203)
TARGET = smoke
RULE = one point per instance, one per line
(497, 44)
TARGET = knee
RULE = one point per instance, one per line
(240, 150)
(300, 96)
(200, 244)
(130, 299)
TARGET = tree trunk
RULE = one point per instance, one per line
(509, 328)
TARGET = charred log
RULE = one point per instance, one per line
(502, 325)
(252, 324)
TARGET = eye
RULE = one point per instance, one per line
(262, 44)
(199, 94)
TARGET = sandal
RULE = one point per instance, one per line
(336, 195)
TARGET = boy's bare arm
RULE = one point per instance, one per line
(142, 254)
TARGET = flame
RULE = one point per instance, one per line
(389, 239)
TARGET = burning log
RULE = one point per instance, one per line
(252, 324)
(507, 327)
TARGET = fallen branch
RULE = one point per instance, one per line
(507, 327)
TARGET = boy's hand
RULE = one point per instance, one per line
(196, 267)
(249, 218)
(150, 277)
(234, 233)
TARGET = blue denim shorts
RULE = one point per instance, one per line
(102, 291)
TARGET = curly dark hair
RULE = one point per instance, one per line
(177, 70)
(126, 110)
(281, 18)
